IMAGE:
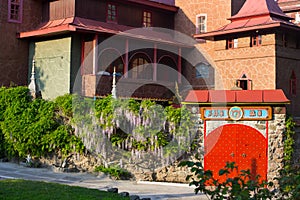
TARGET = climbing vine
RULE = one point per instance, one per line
(289, 142)
(35, 127)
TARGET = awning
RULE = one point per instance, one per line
(236, 97)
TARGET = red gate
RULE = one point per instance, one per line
(237, 143)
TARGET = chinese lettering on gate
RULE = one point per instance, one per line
(236, 113)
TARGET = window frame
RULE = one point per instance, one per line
(138, 64)
(199, 73)
(18, 7)
(199, 27)
(231, 43)
(147, 21)
(256, 40)
(293, 84)
(244, 79)
(109, 10)
(284, 40)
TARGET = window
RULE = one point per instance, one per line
(147, 19)
(297, 18)
(202, 70)
(111, 12)
(256, 41)
(293, 84)
(231, 43)
(140, 68)
(284, 40)
(108, 60)
(244, 83)
(15, 10)
(298, 44)
(201, 23)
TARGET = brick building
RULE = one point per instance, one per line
(254, 48)
(249, 54)
(279, 62)
(16, 16)
(73, 37)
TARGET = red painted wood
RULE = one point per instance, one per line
(234, 96)
(237, 143)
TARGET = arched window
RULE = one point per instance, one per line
(109, 59)
(293, 84)
(167, 69)
(140, 67)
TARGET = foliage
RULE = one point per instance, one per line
(289, 182)
(64, 104)
(144, 121)
(34, 126)
(116, 172)
(289, 142)
(242, 186)
(34, 190)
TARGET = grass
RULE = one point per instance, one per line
(35, 190)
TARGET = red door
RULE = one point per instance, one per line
(237, 143)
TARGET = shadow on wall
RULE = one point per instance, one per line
(184, 24)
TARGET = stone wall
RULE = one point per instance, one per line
(275, 133)
(273, 129)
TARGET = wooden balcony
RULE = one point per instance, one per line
(101, 85)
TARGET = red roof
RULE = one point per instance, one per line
(77, 24)
(236, 97)
(260, 7)
(254, 15)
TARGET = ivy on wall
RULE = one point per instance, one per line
(289, 142)
(39, 127)
(34, 127)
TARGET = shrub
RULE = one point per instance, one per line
(33, 126)
(116, 172)
(239, 187)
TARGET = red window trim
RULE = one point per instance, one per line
(293, 84)
(19, 10)
(108, 17)
(230, 43)
(146, 23)
(256, 40)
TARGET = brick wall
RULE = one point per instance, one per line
(14, 52)
(258, 63)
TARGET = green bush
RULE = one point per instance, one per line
(239, 187)
(34, 126)
(116, 172)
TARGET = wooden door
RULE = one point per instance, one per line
(237, 143)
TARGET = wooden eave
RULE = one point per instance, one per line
(220, 34)
(154, 5)
(77, 24)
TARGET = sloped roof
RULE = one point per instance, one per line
(236, 97)
(254, 15)
(77, 24)
(254, 8)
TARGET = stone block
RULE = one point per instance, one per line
(113, 190)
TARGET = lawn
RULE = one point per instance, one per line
(34, 190)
